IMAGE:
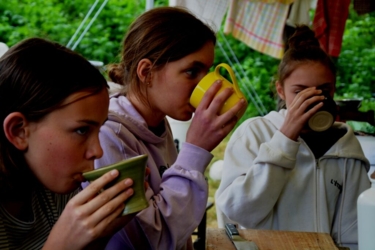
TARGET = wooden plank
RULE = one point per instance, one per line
(271, 240)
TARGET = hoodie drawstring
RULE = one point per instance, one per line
(341, 205)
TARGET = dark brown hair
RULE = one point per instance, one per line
(36, 76)
(303, 47)
(162, 35)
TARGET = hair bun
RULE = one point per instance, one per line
(302, 38)
(115, 73)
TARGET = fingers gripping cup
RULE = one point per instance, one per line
(133, 168)
(209, 79)
(325, 116)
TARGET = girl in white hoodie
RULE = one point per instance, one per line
(278, 174)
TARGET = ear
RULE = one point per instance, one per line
(16, 130)
(280, 90)
(144, 70)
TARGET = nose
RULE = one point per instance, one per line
(94, 150)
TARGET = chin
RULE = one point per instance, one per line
(186, 116)
(67, 190)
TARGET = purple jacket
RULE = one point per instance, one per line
(177, 197)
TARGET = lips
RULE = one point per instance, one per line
(191, 108)
(79, 177)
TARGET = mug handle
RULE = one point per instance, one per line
(232, 76)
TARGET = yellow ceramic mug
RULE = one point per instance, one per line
(209, 79)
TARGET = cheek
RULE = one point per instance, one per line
(289, 98)
(51, 155)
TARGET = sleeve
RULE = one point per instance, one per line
(345, 229)
(180, 204)
(176, 206)
(257, 163)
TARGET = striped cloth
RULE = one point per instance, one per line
(46, 208)
(259, 25)
(329, 24)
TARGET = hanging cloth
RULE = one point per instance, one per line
(299, 12)
(210, 12)
(273, 1)
(329, 24)
(364, 6)
(259, 25)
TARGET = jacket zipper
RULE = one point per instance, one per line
(317, 196)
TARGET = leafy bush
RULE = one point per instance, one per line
(255, 76)
(58, 20)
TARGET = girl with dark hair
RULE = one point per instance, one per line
(281, 174)
(52, 104)
(165, 53)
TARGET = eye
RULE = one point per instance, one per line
(326, 90)
(192, 72)
(82, 130)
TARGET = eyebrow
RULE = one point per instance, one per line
(199, 64)
(91, 122)
(299, 86)
(326, 84)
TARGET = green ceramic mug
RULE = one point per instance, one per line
(133, 168)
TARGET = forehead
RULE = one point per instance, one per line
(310, 74)
(86, 103)
(202, 58)
(76, 96)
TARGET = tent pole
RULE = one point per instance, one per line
(149, 4)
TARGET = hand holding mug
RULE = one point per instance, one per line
(304, 105)
(207, 82)
(217, 110)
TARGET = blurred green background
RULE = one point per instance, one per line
(58, 20)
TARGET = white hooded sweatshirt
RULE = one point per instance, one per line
(272, 182)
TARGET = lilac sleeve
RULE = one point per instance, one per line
(177, 199)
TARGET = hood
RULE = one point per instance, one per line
(347, 146)
(276, 118)
(122, 111)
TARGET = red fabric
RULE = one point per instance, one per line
(329, 24)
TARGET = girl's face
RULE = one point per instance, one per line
(65, 142)
(172, 85)
(306, 75)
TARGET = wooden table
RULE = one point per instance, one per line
(216, 239)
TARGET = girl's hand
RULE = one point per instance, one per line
(207, 128)
(297, 116)
(90, 216)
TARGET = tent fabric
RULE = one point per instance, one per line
(209, 11)
(259, 25)
(329, 24)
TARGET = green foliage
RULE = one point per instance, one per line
(356, 64)
(58, 20)
(256, 73)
